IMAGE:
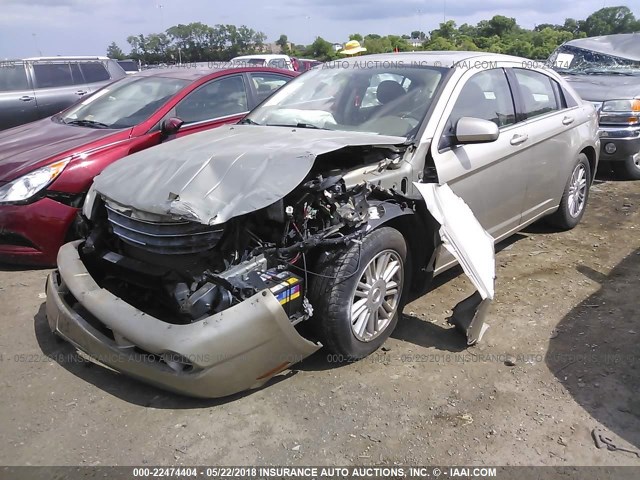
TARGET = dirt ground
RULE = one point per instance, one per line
(566, 317)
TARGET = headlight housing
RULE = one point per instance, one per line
(26, 186)
(621, 106)
(620, 112)
(89, 202)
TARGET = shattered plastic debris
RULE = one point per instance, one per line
(463, 236)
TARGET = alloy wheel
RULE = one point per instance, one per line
(577, 191)
(377, 296)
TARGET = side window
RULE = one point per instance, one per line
(267, 83)
(13, 77)
(75, 74)
(218, 98)
(537, 92)
(50, 75)
(94, 72)
(486, 95)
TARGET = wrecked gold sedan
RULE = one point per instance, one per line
(211, 263)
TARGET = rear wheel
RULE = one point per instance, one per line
(575, 196)
(358, 297)
(629, 169)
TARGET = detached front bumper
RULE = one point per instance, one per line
(235, 350)
(622, 143)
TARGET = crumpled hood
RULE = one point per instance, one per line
(598, 88)
(36, 144)
(219, 174)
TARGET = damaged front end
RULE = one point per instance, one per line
(198, 280)
(214, 306)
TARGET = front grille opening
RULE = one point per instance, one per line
(167, 238)
(15, 239)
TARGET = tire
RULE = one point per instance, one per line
(340, 300)
(575, 196)
(629, 169)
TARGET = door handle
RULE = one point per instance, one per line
(567, 120)
(81, 92)
(518, 139)
(25, 98)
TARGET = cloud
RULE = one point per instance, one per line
(376, 9)
(69, 27)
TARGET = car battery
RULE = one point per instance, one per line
(287, 288)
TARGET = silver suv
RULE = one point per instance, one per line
(35, 88)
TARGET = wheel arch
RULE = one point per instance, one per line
(420, 231)
(592, 156)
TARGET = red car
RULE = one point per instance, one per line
(47, 166)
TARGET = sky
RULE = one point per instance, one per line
(82, 27)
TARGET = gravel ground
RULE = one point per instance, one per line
(559, 359)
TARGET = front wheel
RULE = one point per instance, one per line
(357, 294)
(628, 169)
(575, 196)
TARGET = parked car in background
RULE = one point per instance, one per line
(268, 60)
(606, 71)
(305, 64)
(214, 262)
(35, 88)
(130, 66)
(46, 167)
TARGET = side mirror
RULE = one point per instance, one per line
(476, 130)
(170, 127)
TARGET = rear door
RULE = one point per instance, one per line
(550, 150)
(490, 177)
(217, 102)
(58, 84)
(17, 99)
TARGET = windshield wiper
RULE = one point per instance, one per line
(297, 125)
(88, 123)
(247, 121)
(593, 71)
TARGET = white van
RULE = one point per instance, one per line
(272, 60)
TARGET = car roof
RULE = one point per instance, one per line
(437, 58)
(625, 45)
(265, 56)
(64, 57)
(194, 71)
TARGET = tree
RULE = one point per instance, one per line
(114, 51)
(320, 49)
(609, 20)
(499, 25)
(357, 37)
(447, 30)
(283, 43)
(418, 34)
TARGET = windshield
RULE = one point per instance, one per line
(570, 59)
(385, 101)
(124, 103)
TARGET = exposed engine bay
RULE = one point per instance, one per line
(182, 271)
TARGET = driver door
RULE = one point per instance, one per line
(489, 177)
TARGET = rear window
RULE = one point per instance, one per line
(128, 65)
(13, 77)
(94, 72)
(50, 75)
